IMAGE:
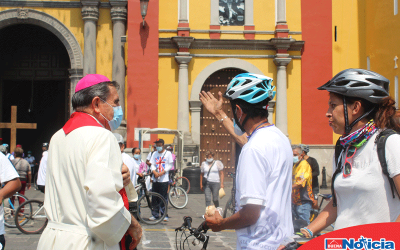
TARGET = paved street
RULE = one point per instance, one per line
(161, 236)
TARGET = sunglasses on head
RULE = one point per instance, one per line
(351, 151)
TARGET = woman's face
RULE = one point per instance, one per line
(137, 152)
(335, 114)
(209, 156)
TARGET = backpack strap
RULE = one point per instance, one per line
(381, 143)
(338, 150)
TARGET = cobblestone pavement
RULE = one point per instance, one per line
(161, 236)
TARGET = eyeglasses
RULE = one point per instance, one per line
(351, 151)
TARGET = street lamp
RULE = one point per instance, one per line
(143, 8)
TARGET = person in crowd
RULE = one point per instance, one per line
(88, 188)
(212, 171)
(264, 168)
(8, 155)
(41, 179)
(161, 163)
(142, 167)
(126, 159)
(360, 110)
(3, 150)
(24, 171)
(315, 170)
(10, 179)
(32, 162)
(302, 195)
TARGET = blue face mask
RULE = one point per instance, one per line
(295, 159)
(136, 157)
(117, 118)
(159, 149)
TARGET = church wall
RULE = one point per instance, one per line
(383, 39)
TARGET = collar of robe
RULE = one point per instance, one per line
(78, 120)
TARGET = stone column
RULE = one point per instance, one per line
(90, 15)
(281, 12)
(195, 108)
(74, 75)
(281, 61)
(118, 17)
(183, 11)
(183, 60)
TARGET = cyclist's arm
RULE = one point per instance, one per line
(246, 216)
(29, 178)
(10, 188)
(324, 219)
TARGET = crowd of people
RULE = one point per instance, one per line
(90, 180)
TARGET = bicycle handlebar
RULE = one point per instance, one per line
(198, 233)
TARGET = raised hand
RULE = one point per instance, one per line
(211, 103)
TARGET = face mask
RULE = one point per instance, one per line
(210, 159)
(295, 159)
(136, 157)
(238, 131)
(117, 118)
(159, 149)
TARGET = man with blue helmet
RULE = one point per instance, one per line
(263, 215)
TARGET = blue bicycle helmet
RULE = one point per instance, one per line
(251, 88)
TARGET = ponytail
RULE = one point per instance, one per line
(385, 117)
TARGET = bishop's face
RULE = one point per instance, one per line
(106, 108)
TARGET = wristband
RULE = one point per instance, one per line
(308, 231)
(220, 121)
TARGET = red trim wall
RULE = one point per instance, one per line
(316, 69)
(142, 70)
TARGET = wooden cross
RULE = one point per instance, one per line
(14, 126)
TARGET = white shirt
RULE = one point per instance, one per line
(264, 177)
(365, 196)
(7, 173)
(10, 157)
(41, 180)
(161, 161)
(214, 173)
(129, 162)
(82, 202)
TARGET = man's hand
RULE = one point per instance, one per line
(135, 231)
(214, 222)
(201, 187)
(213, 105)
(315, 204)
(28, 185)
(126, 175)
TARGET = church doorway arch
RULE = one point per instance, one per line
(34, 74)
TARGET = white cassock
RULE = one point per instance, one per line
(129, 162)
(82, 202)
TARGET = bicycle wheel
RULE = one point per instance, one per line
(184, 183)
(229, 209)
(147, 204)
(30, 217)
(178, 197)
(10, 207)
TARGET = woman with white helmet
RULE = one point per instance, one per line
(362, 112)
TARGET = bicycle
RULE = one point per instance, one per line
(11, 207)
(30, 217)
(147, 202)
(315, 212)
(177, 196)
(230, 204)
(180, 181)
(199, 235)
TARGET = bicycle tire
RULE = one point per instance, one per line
(229, 209)
(9, 220)
(30, 217)
(178, 197)
(184, 183)
(144, 212)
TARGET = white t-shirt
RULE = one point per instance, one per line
(7, 173)
(41, 180)
(264, 177)
(214, 173)
(365, 196)
(161, 161)
(129, 162)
